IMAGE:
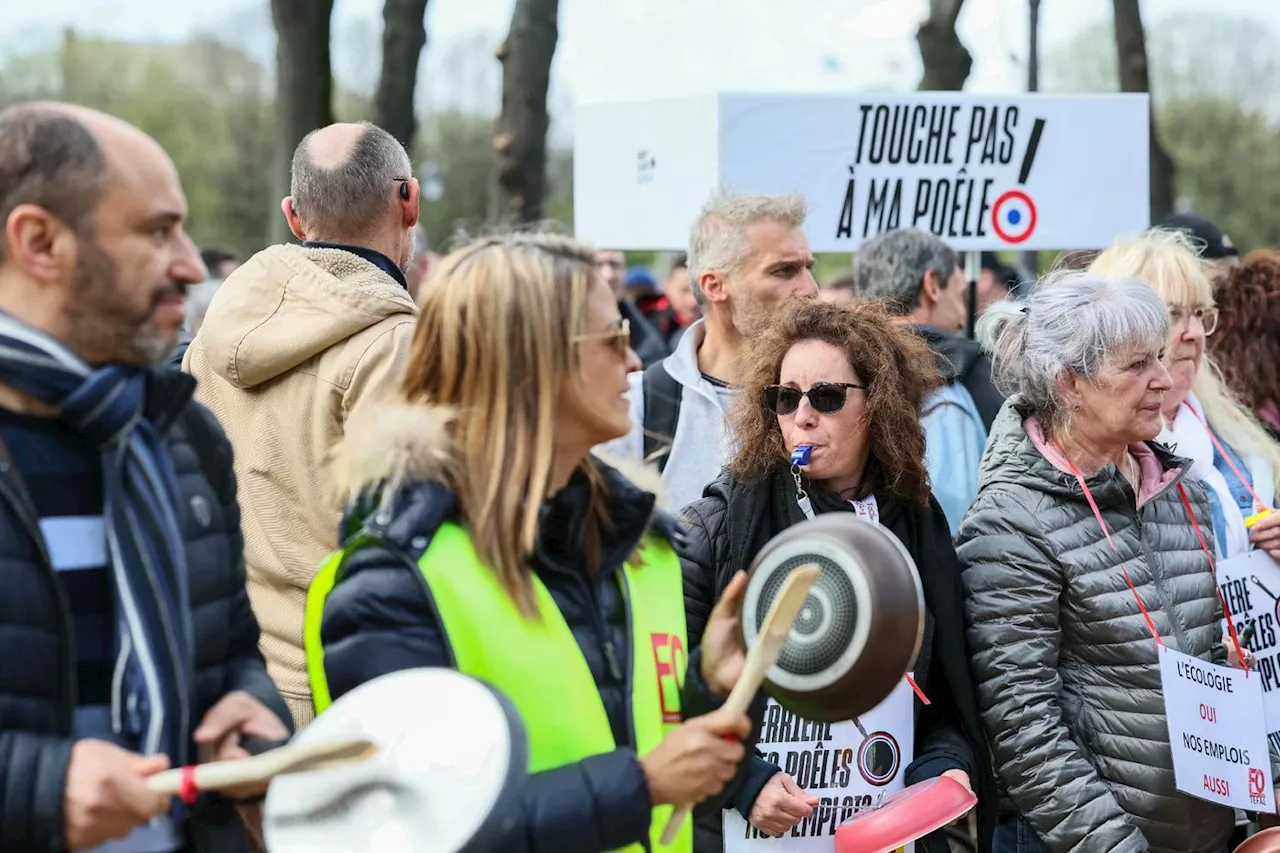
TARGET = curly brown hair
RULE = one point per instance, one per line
(1246, 345)
(894, 363)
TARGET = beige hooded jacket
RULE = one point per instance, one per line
(296, 342)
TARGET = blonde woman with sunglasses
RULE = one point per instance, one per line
(483, 536)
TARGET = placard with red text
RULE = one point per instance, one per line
(1218, 732)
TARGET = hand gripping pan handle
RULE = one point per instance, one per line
(761, 657)
(218, 775)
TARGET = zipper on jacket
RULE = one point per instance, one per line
(1161, 585)
(66, 713)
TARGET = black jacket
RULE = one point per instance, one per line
(38, 672)
(729, 525)
(962, 360)
(378, 619)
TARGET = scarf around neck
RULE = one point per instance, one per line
(148, 569)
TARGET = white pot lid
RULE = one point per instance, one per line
(453, 757)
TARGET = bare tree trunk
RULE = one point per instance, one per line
(304, 84)
(1031, 258)
(521, 139)
(404, 34)
(1131, 48)
(946, 61)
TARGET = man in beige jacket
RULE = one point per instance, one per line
(297, 340)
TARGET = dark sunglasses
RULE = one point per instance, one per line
(827, 398)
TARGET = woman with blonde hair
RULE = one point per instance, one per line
(1230, 451)
(483, 536)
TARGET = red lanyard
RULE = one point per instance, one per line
(1258, 505)
(1186, 503)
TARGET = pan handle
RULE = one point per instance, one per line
(760, 658)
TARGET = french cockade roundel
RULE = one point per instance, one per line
(1013, 216)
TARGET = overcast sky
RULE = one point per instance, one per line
(625, 49)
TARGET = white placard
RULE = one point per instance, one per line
(833, 762)
(1250, 585)
(980, 171)
(1217, 732)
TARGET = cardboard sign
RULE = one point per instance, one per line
(1217, 732)
(1250, 585)
(832, 761)
(980, 171)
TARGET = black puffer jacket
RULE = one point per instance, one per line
(37, 675)
(378, 619)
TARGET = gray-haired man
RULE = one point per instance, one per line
(295, 341)
(919, 279)
(747, 256)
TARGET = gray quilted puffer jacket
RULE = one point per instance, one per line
(1064, 663)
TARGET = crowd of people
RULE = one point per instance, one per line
(234, 490)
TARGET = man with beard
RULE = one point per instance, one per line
(747, 256)
(129, 642)
(296, 340)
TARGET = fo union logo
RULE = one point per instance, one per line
(669, 661)
(1257, 787)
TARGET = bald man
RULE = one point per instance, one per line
(128, 641)
(295, 341)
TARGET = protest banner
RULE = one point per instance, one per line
(980, 171)
(1217, 732)
(1250, 586)
(834, 762)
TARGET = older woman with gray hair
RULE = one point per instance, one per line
(1063, 601)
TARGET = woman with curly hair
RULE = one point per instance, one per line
(848, 383)
(1246, 347)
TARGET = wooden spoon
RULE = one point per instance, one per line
(761, 657)
(219, 775)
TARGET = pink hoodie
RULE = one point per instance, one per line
(1153, 477)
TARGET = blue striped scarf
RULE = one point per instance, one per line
(154, 646)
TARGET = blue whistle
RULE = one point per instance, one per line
(800, 456)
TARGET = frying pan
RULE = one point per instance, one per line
(451, 759)
(860, 629)
(1266, 841)
(906, 816)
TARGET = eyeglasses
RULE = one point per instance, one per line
(827, 398)
(1206, 316)
(621, 337)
